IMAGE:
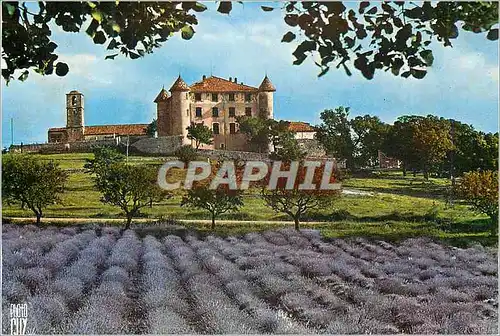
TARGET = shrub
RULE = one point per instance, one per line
(480, 189)
(32, 182)
(186, 154)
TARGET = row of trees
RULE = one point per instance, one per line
(426, 143)
(37, 184)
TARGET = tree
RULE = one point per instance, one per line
(201, 134)
(394, 36)
(257, 131)
(432, 141)
(420, 142)
(215, 201)
(369, 136)
(480, 189)
(186, 154)
(296, 202)
(287, 148)
(334, 133)
(152, 128)
(104, 157)
(33, 182)
(131, 188)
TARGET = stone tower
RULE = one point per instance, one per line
(74, 116)
(180, 111)
(266, 93)
(163, 113)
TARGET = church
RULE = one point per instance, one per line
(213, 101)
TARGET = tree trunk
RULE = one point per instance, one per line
(129, 221)
(426, 174)
(404, 170)
(494, 224)
(297, 223)
(212, 226)
(38, 218)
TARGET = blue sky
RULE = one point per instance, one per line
(462, 84)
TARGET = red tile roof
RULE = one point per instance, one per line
(299, 126)
(266, 85)
(162, 96)
(179, 85)
(217, 84)
(131, 129)
(57, 129)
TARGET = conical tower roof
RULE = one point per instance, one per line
(162, 96)
(266, 85)
(179, 85)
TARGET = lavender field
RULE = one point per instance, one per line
(107, 282)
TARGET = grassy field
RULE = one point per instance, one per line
(398, 206)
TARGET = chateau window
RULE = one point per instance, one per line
(215, 112)
(232, 111)
(215, 97)
(197, 97)
(215, 128)
(222, 146)
(232, 128)
(248, 111)
(231, 97)
(248, 97)
(73, 100)
(198, 112)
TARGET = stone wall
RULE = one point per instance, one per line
(54, 148)
(157, 146)
(233, 155)
(312, 147)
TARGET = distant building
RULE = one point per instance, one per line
(387, 162)
(302, 130)
(76, 130)
(214, 102)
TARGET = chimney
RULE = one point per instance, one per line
(235, 80)
(204, 77)
(230, 79)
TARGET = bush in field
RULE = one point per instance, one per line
(186, 154)
(201, 134)
(103, 158)
(294, 201)
(131, 188)
(480, 189)
(216, 201)
(34, 183)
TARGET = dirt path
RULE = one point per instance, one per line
(82, 220)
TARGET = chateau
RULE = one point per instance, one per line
(215, 102)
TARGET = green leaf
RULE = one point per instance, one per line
(288, 37)
(187, 32)
(111, 57)
(347, 71)
(492, 34)
(267, 9)
(112, 45)
(61, 69)
(418, 73)
(10, 9)
(362, 6)
(225, 7)
(428, 57)
(24, 76)
(99, 38)
(199, 7)
(91, 4)
(133, 55)
(92, 28)
(324, 71)
(96, 15)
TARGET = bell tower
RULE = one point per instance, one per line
(74, 116)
